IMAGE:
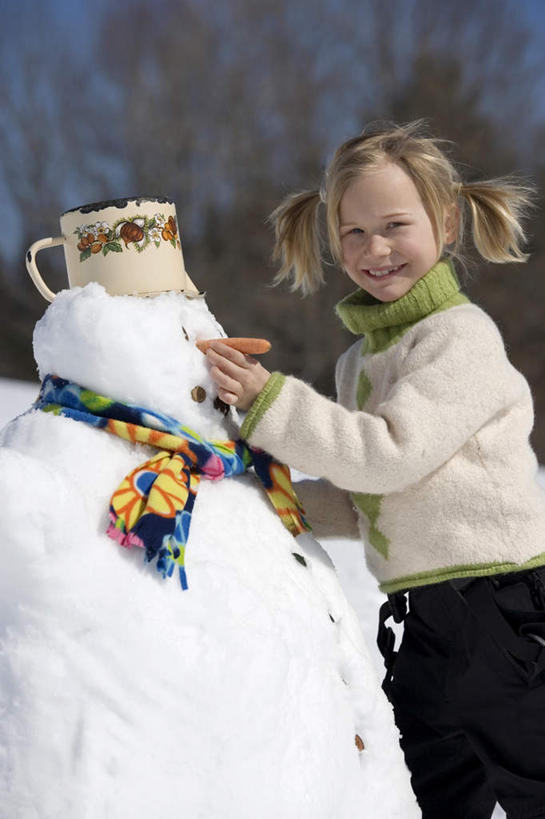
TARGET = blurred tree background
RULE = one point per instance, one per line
(226, 107)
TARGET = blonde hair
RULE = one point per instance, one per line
(495, 206)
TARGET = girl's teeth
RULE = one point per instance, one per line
(379, 273)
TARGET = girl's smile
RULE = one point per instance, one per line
(382, 272)
(387, 238)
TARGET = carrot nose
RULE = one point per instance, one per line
(248, 346)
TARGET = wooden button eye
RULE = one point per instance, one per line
(359, 743)
(198, 394)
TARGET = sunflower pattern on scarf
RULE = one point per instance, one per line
(152, 506)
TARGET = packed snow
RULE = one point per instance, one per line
(121, 694)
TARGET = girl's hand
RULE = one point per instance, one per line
(240, 378)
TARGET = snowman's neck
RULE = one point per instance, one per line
(196, 456)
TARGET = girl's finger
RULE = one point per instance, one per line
(225, 382)
(228, 353)
(227, 397)
(234, 369)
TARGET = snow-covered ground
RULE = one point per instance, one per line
(347, 555)
(15, 397)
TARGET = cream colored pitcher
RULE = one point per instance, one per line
(130, 246)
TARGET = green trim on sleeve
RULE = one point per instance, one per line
(264, 400)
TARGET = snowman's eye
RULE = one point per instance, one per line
(185, 333)
(198, 394)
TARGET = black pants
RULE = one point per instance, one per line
(468, 691)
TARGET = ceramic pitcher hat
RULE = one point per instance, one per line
(130, 246)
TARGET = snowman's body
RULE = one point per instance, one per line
(124, 696)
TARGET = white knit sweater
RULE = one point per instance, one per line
(429, 435)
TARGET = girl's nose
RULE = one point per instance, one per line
(378, 247)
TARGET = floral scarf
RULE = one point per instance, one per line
(152, 506)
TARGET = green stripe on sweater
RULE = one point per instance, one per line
(365, 388)
(370, 506)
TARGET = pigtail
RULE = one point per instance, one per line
(497, 207)
(297, 245)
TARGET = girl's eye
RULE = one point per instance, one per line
(348, 234)
(395, 224)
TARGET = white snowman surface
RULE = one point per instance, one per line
(121, 695)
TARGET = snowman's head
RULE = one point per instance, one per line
(135, 350)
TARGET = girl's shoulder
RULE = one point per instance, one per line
(465, 342)
(463, 334)
(465, 324)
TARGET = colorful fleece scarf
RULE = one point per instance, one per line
(152, 506)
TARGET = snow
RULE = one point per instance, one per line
(120, 694)
(238, 698)
(15, 398)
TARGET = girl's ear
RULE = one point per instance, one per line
(452, 223)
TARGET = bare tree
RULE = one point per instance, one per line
(228, 107)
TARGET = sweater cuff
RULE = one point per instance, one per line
(264, 400)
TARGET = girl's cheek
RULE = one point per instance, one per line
(347, 250)
(346, 264)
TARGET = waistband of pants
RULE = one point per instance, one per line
(531, 577)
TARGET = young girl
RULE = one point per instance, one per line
(430, 438)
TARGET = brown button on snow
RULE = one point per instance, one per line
(198, 394)
(359, 743)
(300, 559)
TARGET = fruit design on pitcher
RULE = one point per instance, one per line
(139, 231)
(170, 231)
(131, 232)
(95, 238)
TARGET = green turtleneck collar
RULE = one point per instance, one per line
(383, 323)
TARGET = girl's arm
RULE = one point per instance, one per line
(453, 378)
(328, 509)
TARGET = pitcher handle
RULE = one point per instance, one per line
(33, 271)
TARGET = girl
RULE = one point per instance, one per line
(430, 438)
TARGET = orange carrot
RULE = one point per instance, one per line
(249, 346)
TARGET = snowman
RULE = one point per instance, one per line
(222, 675)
